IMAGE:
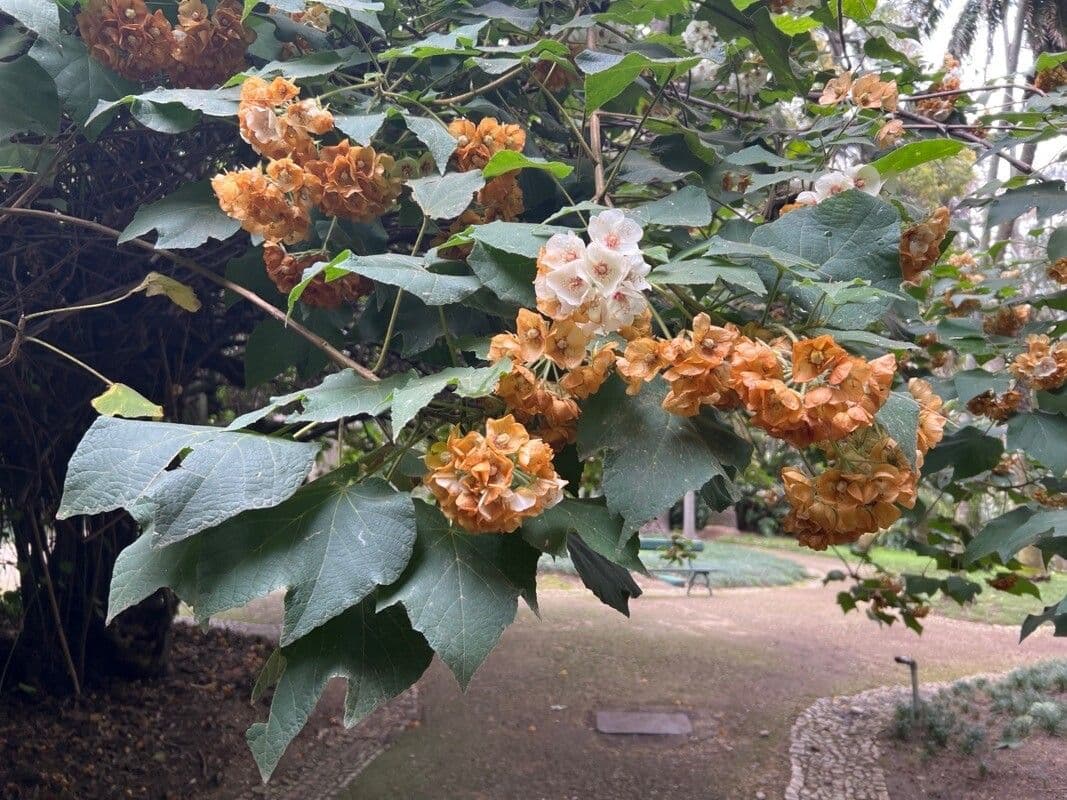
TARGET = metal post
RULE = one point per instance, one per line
(916, 708)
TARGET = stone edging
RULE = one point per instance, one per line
(833, 746)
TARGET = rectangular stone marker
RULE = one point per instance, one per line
(654, 723)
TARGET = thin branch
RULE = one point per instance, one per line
(332, 352)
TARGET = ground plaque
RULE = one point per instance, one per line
(653, 723)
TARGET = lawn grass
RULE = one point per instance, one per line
(732, 566)
(991, 607)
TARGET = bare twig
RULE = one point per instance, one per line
(332, 352)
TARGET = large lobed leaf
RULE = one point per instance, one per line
(180, 479)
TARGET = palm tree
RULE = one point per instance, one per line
(1043, 23)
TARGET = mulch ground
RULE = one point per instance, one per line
(181, 736)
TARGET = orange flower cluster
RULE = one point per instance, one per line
(867, 91)
(275, 202)
(920, 245)
(201, 51)
(805, 392)
(1007, 320)
(286, 271)
(1050, 499)
(491, 483)
(1043, 365)
(889, 134)
(867, 484)
(940, 108)
(1049, 80)
(998, 408)
(501, 197)
(550, 409)
(1057, 270)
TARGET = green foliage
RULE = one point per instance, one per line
(691, 146)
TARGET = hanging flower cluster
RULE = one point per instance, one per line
(538, 347)
(1057, 270)
(920, 244)
(804, 392)
(941, 106)
(864, 177)
(867, 482)
(1043, 365)
(597, 286)
(1049, 80)
(490, 483)
(867, 91)
(501, 197)
(998, 408)
(1007, 320)
(201, 51)
(275, 201)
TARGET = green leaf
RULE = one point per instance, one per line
(607, 75)
(609, 582)
(968, 451)
(915, 153)
(653, 457)
(688, 207)
(754, 23)
(461, 591)
(510, 277)
(1048, 197)
(1011, 532)
(508, 161)
(342, 394)
(417, 393)
(1042, 437)
(156, 109)
(457, 41)
(186, 218)
(273, 348)
(40, 16)
(900, 418)
(445, 196)
(177, 480)
(522, 18)
(121, 401)
(705, 271)
(81, 82)
(518, 238)
(435, 136)
(314, 64)
(330, 545)
(408, 273)
(28, 93)
(380, 655)
(183, 296)
(1057, 244)
(600, 529)
(360, 128)
(1049, 61)
(970, 383)
(1056, 614)
(848, 236)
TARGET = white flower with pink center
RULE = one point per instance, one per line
(613, 230)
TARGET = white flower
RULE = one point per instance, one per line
(570, 285)
(599, 283)
(699, 37)
(606, 268)
(613, 230)
(807, 199)
(832, 183)
(704, 73)
(866, 178)
(563, 248)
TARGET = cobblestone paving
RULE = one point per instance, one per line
(834, 750)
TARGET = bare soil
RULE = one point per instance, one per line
(743, 664)
(182, 736)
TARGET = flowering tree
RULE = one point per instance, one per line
(565, 262)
